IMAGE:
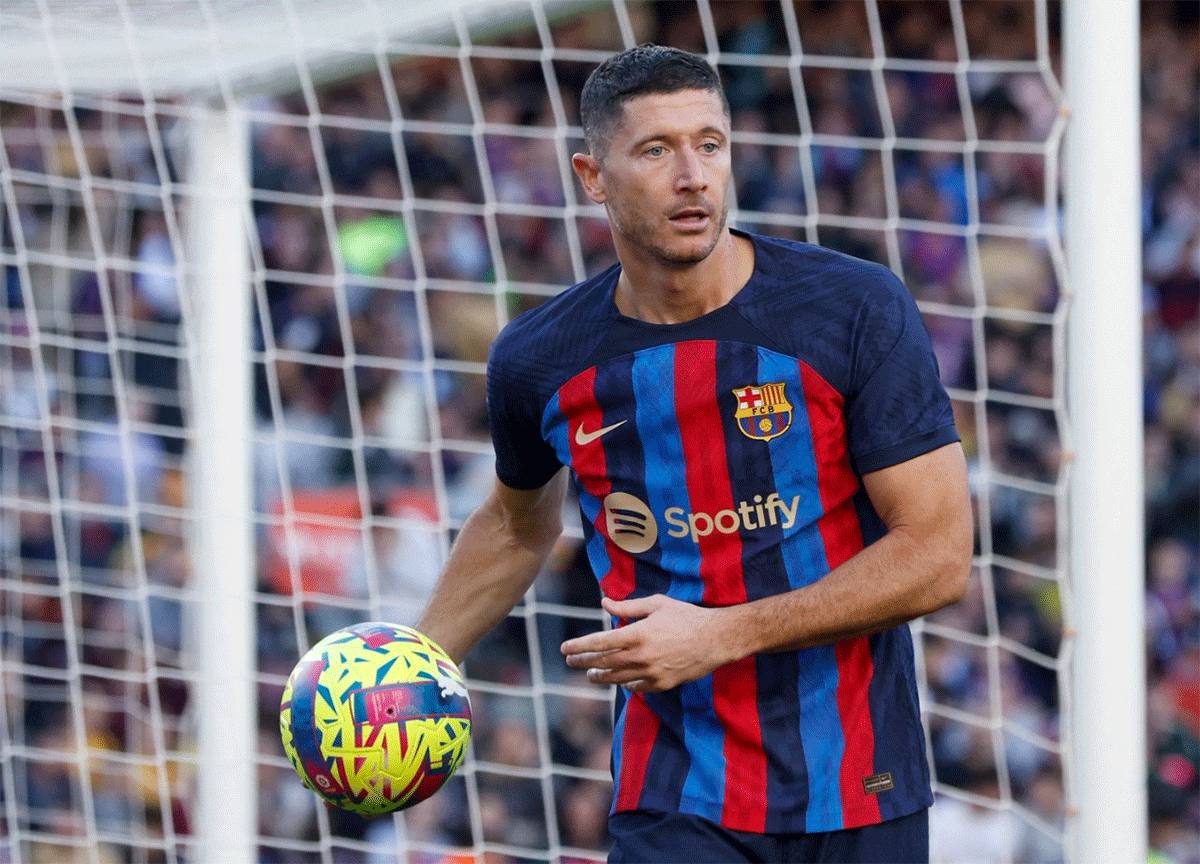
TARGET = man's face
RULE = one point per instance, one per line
(666, 176)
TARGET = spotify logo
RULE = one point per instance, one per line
(629, 522)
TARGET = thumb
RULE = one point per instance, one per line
(638, 607)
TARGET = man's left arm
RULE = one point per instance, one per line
(920, 565)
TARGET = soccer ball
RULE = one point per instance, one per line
(375, 718)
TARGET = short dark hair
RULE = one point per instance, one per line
(638, 71)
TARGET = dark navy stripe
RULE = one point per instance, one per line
(615, 394)
(669, 760)
(894, 705)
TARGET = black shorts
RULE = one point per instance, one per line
(643, 837)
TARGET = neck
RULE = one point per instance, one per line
(662, 293)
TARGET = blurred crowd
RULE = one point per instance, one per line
(376, 265)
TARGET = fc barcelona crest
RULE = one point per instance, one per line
(763, 411)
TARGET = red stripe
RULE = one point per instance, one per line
(841, 534)
(703, 438)
(735, 687)
(858, 759)
(735, 699)
(835, 476)
(577, 402)
(641, 730)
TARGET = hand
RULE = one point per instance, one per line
(671, 643)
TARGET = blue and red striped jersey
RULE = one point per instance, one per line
(719, 461)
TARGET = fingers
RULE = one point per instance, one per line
(591, 659)
(616, 656)
(620, 637)
(601, 642)
(630, 679)
(621, 667)
(639, 607)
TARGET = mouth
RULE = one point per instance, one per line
(690, 217)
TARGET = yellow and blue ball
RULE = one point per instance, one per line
(375, 718)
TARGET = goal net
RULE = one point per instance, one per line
(379, 187)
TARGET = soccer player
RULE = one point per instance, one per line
(771, 485)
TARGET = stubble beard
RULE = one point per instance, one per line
(642, 237)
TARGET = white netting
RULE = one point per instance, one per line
(411, 191)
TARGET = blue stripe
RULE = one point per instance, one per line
(617, 738)
(821, 731)
(554, 429)
(306, 737)
(704, 788)
(666, 486)
(804, 558)
(665, 473)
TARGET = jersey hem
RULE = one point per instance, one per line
(780, 822)
(909, 448)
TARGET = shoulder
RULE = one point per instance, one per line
(557, 333)
(820, 271)
(806, 295)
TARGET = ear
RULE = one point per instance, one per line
(587, 168)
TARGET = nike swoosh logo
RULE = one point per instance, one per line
(584, 438)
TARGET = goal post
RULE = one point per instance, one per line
(1103, 233)
(217, 208)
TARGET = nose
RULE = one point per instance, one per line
(691, 172)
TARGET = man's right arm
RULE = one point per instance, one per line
(495, 558)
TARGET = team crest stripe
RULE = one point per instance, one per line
(795, 480)
(736, 735)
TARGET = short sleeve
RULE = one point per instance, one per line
(524, 460)
(897, 407)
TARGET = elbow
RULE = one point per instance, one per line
(549, 531)
(945, 584)
(952, 571)
(954, 583)
(940, 564)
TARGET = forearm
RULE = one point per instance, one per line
(896, 579)
(494, 560)
(668, 641)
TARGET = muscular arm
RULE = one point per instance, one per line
(495, 558)
(920, 565)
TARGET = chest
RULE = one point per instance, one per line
(703, 420)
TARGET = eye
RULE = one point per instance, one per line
(656, 150)
(710, 147)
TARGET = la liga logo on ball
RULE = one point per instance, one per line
(375, 718)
